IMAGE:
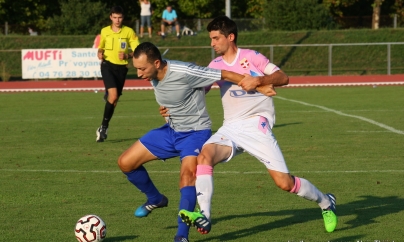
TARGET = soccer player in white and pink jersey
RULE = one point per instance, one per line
(248, 121)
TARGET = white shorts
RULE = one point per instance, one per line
(254, 136)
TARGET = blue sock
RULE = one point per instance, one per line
(141, 179)
(187, 202)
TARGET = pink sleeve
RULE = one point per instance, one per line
(258, 60)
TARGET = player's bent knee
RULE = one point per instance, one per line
(126, 165)
(203, 159)
(186, 180)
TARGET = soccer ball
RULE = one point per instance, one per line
(90, 228)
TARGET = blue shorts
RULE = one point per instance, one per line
(165, 143)
(145, 19)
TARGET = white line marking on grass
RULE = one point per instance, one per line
(357, 131)
(323, 111)
(347, 115)
(217, 172)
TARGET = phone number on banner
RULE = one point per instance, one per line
(64, 74)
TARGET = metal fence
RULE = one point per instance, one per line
(328, 49)
(319, 59)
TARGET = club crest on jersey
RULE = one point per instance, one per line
(123, 45)
(244, 63)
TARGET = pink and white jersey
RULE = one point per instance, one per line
(237, 103)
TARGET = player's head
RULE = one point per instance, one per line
(116, 10)
(116, 15)
(147, 60)
(225, 26)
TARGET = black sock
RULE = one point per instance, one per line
(108, 112)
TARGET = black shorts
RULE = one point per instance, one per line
(172, 24)
(113, 75)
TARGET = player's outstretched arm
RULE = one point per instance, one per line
(249, 83)
(278, 78)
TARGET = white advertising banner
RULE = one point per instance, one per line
(60, 63)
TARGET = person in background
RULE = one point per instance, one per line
(169, 19)
(114, 52)
(97, 41)
(32, 32)
(145, 17)
(95, 45)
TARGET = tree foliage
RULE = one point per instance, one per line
(26, 13)
(73, 16)
(78, 17)
(296, 15)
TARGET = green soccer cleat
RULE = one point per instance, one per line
(196, 219)
(329, 216)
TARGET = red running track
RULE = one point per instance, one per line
(296, 81)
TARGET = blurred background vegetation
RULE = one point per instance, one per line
(74, 24)
(74, 17)
(295, 61)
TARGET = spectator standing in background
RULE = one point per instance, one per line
(169, 18)
(145, 16)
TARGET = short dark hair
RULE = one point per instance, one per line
(224, 25)
(116, 9)
(150, 50)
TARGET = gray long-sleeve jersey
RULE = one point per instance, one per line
(182, 92)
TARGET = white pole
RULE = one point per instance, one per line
(395, 21)
(228, 8)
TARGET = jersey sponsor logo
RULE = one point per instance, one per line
(242, 93)
(244, 63)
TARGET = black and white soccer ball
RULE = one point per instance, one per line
(90, 228)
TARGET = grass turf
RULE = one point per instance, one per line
(345, 140)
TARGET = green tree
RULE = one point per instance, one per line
(359, 8)
(79, 17)
(22, 14)
(296, 15)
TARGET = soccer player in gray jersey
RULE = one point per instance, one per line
(178, 86)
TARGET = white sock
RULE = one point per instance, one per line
(204, 192)
(310, 192)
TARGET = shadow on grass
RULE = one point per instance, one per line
(120, 238)
(123, 140)
(283, 125)
(292, 50)
(366, 210)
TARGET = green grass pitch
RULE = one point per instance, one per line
(345, 140)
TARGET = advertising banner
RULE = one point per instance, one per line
(60, 63)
